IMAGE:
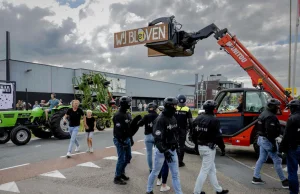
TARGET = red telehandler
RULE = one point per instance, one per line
(238, 128)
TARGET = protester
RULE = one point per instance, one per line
(91, 125)
(74, 115)
(53, 102)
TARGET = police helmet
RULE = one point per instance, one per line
(152, 105)
(170, 101)
(210, 105)
(294, 105)
(125, 100)
(181, 98)
(273, 101)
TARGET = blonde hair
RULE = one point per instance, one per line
(89, 111)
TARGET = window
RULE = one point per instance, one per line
(133, 102)
(230, 102)
(256, 101)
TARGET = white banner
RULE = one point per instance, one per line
(6, 96)
(117, 85)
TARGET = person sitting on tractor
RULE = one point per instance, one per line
(239, 108)
(53, 102)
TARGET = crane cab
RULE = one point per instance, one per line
(237, 112)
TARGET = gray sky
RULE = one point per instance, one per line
(79, 33)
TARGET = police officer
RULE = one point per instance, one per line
(149, 139)
(268, 129)
(166, 140)
(206, 131)
(184, 119)
(122, 139)
(290, 144)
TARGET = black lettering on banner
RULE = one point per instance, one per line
(6, 89)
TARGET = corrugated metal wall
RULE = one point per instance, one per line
(46, 79)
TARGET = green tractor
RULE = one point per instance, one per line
(91, 89)
(17, 125)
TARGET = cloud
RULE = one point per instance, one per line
(81, 35)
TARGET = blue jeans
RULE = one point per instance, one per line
(265, 150)
(158, 163)
(73, 132)
(149, 142)
(124, 155)
(293, 160)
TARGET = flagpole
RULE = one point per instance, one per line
(295, 51)
(290, 47)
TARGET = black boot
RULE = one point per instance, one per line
(223, 192)
(181, 164)
(151, 192)
(119, 181)
(124, 177)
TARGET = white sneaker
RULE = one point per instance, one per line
(77, 148)
(88, 150)
(91, 150)
(163, 189)
(158, 183)
(68, 155)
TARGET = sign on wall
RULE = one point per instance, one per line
(117, 85)
(149, 34)
(190, 101)
(7, 95)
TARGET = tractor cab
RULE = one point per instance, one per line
(238, 108)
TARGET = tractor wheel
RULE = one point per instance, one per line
(5, 137)
(40, 133)
(100, 125)
(20, 135)
(58, 127)
(107, 124)
(189, 146)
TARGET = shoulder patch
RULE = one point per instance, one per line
(158, 132)
(118, 125)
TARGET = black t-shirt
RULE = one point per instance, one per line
(90, 123)
(74, 117)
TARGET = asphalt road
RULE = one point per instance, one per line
(234, 171)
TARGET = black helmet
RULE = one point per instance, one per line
(273, 104)
(209, 105)
(273, 101)
(152, 105)
(170, 101)
(294, 105)
(181, 98)
(125, 101)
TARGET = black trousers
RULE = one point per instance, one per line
(180, 151)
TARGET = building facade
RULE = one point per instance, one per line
(41, 80)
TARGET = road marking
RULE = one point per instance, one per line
(73, 154)
(140, 140)
(38, 146)
(14, 166)
(138, 153)
(110, 147)
(55, 174)
(252, 168)
(111, 158)
(89, 164)
(11, 187)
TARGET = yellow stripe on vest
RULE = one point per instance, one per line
(185, 108)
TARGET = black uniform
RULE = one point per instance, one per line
(122, 122)
(206, 130)
(268, 126)
(148, 122)
(291, 138)
(165, 133)
(183, 116)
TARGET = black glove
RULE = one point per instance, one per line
(131, 141)
(168, 156)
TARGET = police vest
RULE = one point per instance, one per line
(182, 116)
